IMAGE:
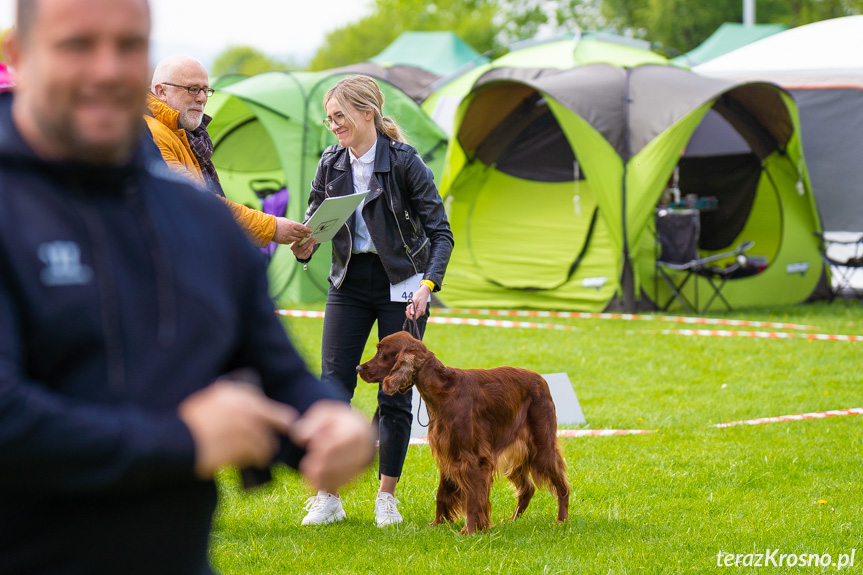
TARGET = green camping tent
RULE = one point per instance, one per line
(268, 134)
(553, 177)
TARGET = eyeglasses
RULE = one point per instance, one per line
(193, 90)
(338, 119)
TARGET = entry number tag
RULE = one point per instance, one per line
(404, 291)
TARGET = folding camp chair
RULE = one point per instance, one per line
(846, 259)
(678, 232)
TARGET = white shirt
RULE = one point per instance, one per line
(362, 169)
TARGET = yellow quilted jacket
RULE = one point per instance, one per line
(175, 148)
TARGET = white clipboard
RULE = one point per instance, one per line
(331, 214)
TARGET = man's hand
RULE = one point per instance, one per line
(339, 444)
(234, 423)
(288, 231)
(305, 251)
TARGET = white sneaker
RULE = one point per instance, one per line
(386, 512)
(323, 508)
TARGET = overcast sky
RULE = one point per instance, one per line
(204, 28)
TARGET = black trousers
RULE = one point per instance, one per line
(362, 299)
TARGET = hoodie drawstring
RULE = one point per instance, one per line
(165, 285)
(109, 307)
(166, 299)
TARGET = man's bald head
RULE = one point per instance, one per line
(173, 68)
(171, 80)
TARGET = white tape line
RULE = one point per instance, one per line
(499, 323)
(565, 315)
(756, 334)
(601, 432)
(449, 321)
(625, 317)
(798, 417)
(300, 313)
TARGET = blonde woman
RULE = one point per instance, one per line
(398, 233)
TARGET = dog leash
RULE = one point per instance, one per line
(412, 327)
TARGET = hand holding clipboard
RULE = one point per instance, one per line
(330, 215)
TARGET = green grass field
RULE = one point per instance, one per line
(664, 502)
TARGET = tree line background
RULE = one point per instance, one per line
(489, 26)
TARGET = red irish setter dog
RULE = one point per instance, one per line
(480, 421)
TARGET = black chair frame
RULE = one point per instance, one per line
(702, 267)
(842, 270)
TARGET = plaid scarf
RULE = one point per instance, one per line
(202, 147)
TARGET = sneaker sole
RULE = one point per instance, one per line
(334, 518)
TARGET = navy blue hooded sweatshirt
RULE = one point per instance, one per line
(122, 291)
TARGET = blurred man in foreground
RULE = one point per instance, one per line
(124, 293)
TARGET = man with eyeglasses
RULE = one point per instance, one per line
(176, 119)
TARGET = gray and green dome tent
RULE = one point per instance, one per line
(553, 177)
(561, 53)
(268, 133)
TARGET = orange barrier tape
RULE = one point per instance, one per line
(757, 334)
(601, 432)
(300, 313)
(571, 315)
(625, 316)
(450, 321)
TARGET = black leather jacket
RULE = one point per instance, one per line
(403, 211)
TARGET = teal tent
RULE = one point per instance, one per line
(729, 36)
(268, 134)
(440, 53)
(553, 177)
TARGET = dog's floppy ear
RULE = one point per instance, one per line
(402, 373)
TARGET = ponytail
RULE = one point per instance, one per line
(390, 129)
